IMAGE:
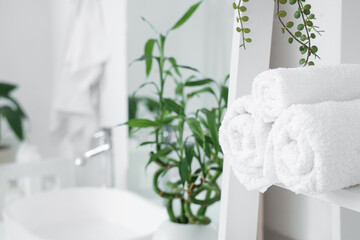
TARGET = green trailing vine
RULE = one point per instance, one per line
(304, 33)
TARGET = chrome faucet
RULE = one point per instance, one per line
(102, 141)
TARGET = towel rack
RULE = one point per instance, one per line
(239, 207)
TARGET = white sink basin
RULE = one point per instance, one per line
(82, 214)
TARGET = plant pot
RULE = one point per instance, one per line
(6, 154)
(176, 231)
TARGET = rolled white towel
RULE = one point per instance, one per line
(316, 148)
(243, 138)
(275, 90)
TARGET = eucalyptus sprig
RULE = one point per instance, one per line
(306, 31)
(241, 19)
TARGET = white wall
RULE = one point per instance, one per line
(26, 59)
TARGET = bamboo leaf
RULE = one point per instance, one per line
(162, 42)
(189, 154)
(147, 143)
(188, 68)
(212, 127)
(196, 128)
(151, 26)
(141, 123)
(161, 153)
(143, 58)
(199, 82)
(183, 170)
(149, 46)
(186, 16)
(132, 103)
(168, 120)
(171, 105)
(204, 90)
(174, 65)
(225, 94)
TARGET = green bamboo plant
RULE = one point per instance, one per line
(304, 33)
(193, 153)
(11, 111)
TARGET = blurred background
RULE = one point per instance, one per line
(35, 36)
(44, 42)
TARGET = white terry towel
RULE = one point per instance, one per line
(316, 148)
(76, 103)
(275, 90)
(243, 138)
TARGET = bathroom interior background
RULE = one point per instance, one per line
(29, 46)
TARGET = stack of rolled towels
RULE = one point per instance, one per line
(300, 127)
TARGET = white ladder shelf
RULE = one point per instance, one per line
(240, 208)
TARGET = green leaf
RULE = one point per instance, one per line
(183, 170)
(225, 94)
(186, 16)
(168, 120)
(161, 153)
(162, 43)
(6, 88)
(188, 68)
(314, 49)
(290, 24)
(147, 143)
(199, 82)
(189, 154)
(171, 105)
(300, 26)
(204, 90)
(174, 65)
(196, 128)
(151, 26)
(282, 13)
(14, 119)
(143, 58)
(213, 128)
(132, 103)
(149, 46)
(141, 123)
(151, 104)
(242, 9)
(17, 105)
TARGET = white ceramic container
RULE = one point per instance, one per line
(176, 231)
(83, 214)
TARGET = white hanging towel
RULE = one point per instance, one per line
(77, 93)
(315, 148)
(275, 90)
(243, 138)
